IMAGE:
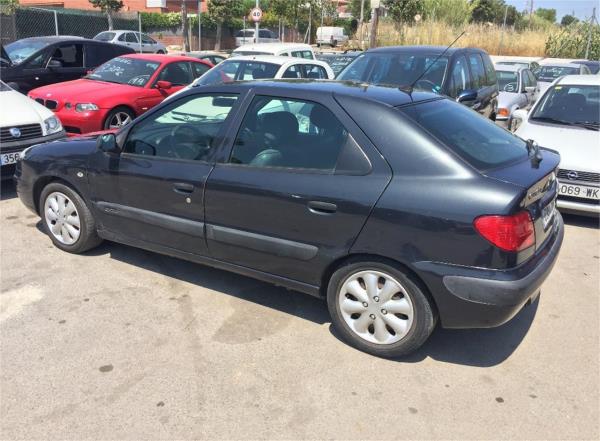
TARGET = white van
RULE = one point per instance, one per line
(246, 36)
(331, 35)
(299, 50)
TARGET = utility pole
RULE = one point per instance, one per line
(199, 25)
(531, 14)
(361, 21)
(503, 28)
(589, 40)
(256, 24)
(374, 24)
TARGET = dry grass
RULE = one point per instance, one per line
(489, 37)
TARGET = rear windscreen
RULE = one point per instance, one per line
(473, 137)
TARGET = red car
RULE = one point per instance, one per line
(118, 91)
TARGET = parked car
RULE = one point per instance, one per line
(516, 84)
(550, 72)
(212, 57)
(132, 39)
(298, 50)
(23, 122)
(39, 61)
(400, 209)
(593, 65)
(567, 120)
(465, 74)
(338, 60)
(246, 36)
(118, 91)
(331, 35)
(531, 65)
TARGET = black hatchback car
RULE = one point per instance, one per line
(399, 209)
(465, 74)
(39, 61)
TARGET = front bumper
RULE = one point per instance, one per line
(576, 207)
(77, 123)
(469, 297)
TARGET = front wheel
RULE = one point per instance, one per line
(67, 220)
(379, 309)
(118, 117)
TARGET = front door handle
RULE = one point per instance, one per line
(183, 188)
(319, 207)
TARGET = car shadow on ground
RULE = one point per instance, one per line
(476, 347)
(7, 190)
(581, 221)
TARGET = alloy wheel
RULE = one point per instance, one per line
(376, 307)
(62, 218)
(119, 119)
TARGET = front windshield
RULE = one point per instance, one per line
(105, 36)
(4, 87)
(19, 51)
(398, 70)
(508, 81)
(122, 70)
(550, 73)
(570, 105)
(232, 70)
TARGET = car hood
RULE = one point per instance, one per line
(508, 99)
(20, 110)
(578, 147)
(86, 91)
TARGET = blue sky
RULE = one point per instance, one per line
(582, 8)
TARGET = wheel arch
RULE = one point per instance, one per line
(364, 257)
(44, 181)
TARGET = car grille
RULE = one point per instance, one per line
(573, 175)
(28, 131)
(50, 104)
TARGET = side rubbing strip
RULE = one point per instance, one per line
(186, 226)
(260, 242)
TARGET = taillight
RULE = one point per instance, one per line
(510, 233)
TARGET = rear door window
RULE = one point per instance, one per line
(96, 54)
(459, 81)
(477, 140)
(477, 70)
(70, 55)
(314, 72)
(130, 37)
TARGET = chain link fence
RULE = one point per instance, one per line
(35, 22)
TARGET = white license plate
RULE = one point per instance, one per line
(579, 191)
(548, 213)
(9, 158)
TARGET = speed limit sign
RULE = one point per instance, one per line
(256, 14)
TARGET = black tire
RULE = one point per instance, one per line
(88, 235)
(160, 52)
(424, 314)
(113, 112)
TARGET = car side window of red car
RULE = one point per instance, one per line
(178, 74)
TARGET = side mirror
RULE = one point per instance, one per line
(53, 64)
(107, 143)
(467, 96)
(165, 85)
(516, 119)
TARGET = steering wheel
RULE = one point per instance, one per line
(139, 79)
(188, 142)
(431, 85)
(510, 87)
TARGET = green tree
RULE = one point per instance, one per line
(568, 20)
(546, 14)
(485, 11)
(453, 12)
(108, 7)
(403, 11)
(223, 11)
(355, 9)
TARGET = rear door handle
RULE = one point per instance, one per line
(183, 188)
(319, 207)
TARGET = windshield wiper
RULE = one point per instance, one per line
(590, 125)
(89, 77)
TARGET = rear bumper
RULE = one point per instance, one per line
(482, 298)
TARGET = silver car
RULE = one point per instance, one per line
(516, 85)
(132, 40)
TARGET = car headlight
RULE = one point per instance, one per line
(53, 125)
(85, 107)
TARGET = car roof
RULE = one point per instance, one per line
(587, 62)
(423, 49)
(54, 38)
(161, 58)
(509, 68)
(391, 96)
(580, 80)
(274, 59)
(272, 46)
(561, 65)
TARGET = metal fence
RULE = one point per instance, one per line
(35, 22)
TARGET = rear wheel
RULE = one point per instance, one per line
(118, 117)
(379, 309)
(67, 220)
(161, 52)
